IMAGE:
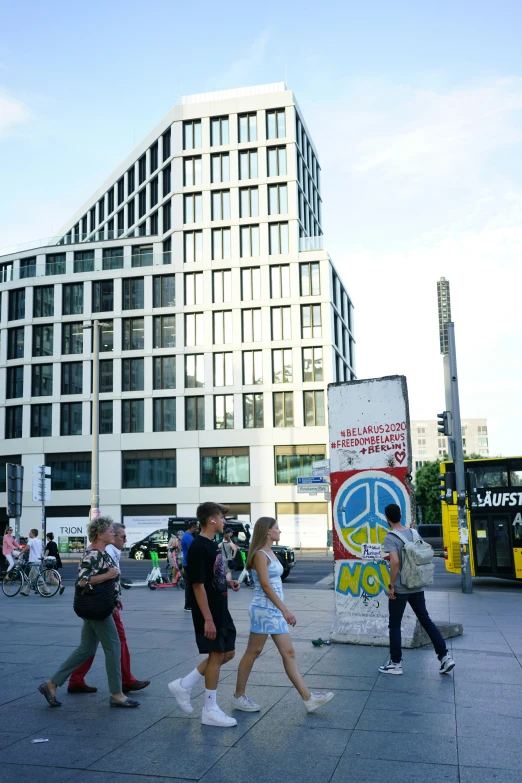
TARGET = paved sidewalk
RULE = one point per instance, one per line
(462, 728)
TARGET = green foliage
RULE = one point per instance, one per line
(427, 493)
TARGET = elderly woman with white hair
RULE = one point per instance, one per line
(95, 568)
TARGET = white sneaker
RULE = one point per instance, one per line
(245, 704)
(391, 668)
(182, 695)
(216, 717)
(318, 699)
(446, 664)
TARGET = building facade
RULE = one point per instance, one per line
(224, 319)
(429, 445)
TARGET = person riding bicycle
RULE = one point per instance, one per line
(33, 549)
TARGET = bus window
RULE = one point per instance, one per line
(515, 473)
(489, 476)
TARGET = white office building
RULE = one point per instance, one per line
(224, 321)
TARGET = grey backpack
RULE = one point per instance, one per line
(416, 562)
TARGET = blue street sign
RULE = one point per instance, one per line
(312, 480)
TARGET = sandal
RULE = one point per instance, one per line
(45, 691)
(127, 703)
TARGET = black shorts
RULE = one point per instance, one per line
(224, 642)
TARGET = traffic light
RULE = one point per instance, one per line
(444, 423)
(14, 481)
(471, 488)
(447, 487)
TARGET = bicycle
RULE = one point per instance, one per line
(46, 583)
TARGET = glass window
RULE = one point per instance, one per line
(121, 222)
(112, 259)
(248, 202)
(192, 135)
(247, 127)
(224, 412)
(27, 267)
(42, 340)
(220, 244)
(310, 280)
(106, 376)
(194, 288)
(102, 296)
(72, 338)
(55, 264)
(106, 337)
(142, 169)
(283, 409)
(153, 157)
(275, 124)
(194, 413)
(167, 251)
(105, 417)
(41, 421)
(164, 372)
(249, 241)
(220, 170)
(133, 375)
(310, 321)
(164, 291)
(131, 213)
(164, 331)
(42, 380)
(277, 200)
(164, 414)
(142, 256)
(251, 322)
(17, 304)
(222, 286)
(223, 369)
(71, 418)
(154, 192)
(15, 382)
(133, 334)
(220, 205)
(194, 371)
(72, 377)
(222, 327)
(133, 293)
(281, 323)
(192, 171)
(194, 329)
(13, 421)
(110, 201)
(282, 369)
(84, 261)
(248, 164)
(218, 131)
(132, 416)
(250, 284)
(193, 208)
(69, 471)
(166, 139)
(280, 281)
(43, 301)
(121, 192)
(167, 216)
(313, 402)
(312, 364)
(253, 411)
(252, 368)
(15, 342)
(167, 179)
(101, 212)
(490, 475)
(225, 467)
(72, 299)
(277, 161)
(278, 238)
(193, 241)
(293, 462)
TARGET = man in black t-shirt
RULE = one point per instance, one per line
(213, 625)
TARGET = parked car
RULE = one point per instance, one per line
(432, 534)
(154, 542)
(241, 537)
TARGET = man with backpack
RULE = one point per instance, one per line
(411, 569)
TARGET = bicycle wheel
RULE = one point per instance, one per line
(48, 582)
(12, 584)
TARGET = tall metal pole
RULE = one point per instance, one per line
(458, 459)
(447, 394)
(95, 458)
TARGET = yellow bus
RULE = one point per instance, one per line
(494, 512)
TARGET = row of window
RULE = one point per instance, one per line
(246, 131)
(248, 203)
(164, 414)
(248, 166)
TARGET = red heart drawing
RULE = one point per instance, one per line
(400, 456)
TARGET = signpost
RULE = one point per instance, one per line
(42, 491)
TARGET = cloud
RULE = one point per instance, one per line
(13, 111)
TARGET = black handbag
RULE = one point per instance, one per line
(95, 602)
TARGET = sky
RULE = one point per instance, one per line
(416, 112)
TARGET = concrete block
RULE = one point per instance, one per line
(374, 631)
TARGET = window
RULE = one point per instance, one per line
(251, 322)
(248, 202)
(133, 334)
(101, 210)
(223, 369)
(313, 403)
(281, 323)
(72, 338)
(220, 205)
(141, 256)
(166, 144)
(164, 368)
(164, 331)
(248, 164)
(224, 412)
(218, 131)
(193, 208)
(280, 281)
(105, 417)
(121, 222)
(247, 128)
(133, 293)
(310, 321)
(192, 171)
(154, 192)
(72, 299)
(194, 371)
(132, 416)
(15, 382)
(167, 179)
(167, 251)
(249, 241)
(312, 364)
(102, 296)
(84, 226)
(283, 409)
(222, 327)
(43, 301)
(142, 169)
(41, 421)
(71, 418)
(225, 467)
(154, 223)
(277, 200)
(55, 264)
(110, 201)
(17, 304)
(42, 340)
(192, 135)
(42, 380)
(278, 238)
(167, 216)
(148, 469)
(131, 215)
(27, 268)
(69, 471)
(193, 241)
(221, 286)
(194, 413)
(250, 284)
(84, 261)
(142, 202)
(310, 280)
(282, 371)
(275, 124)
(277, 161)
(252, 411)
(252, 368)
(72, 377)
(164, 414)
(220, 170)
(194, 329)
(106, 376)
(164, 291)
(15, 342)
(106, 336)
(133, 375)
(153, 157)
(293, 462)
(13, 421)
(121, 191)
(194, 288)
(112, 259)
(220, 244)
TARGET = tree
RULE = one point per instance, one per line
(427, 493)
